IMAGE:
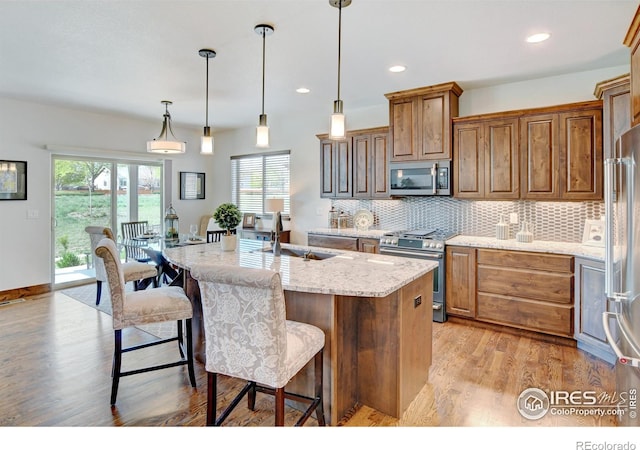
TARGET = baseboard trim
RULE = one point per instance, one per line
(25, 291)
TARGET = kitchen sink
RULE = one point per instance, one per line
(301, 253)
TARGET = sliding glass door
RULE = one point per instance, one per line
(91, 191)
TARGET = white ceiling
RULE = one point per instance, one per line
(126, 56)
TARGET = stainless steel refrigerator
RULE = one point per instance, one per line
(622, 269)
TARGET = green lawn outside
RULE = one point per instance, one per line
(77, 209)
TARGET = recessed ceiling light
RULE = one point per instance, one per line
(396, 69)
(538, 37)
(302, 90)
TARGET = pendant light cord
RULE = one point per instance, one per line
(206, 114)
(264, 35)
(339, 42)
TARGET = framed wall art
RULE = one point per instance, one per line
(593, 233)
(13, 180)
(191, 185)
(249, 220)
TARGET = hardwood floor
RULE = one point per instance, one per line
(55, 363)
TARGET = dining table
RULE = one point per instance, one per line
(149, 248)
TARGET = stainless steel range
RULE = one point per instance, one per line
(423, 244)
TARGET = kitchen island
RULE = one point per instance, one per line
(375, 312)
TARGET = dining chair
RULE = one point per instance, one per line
(133, 271)
(214, 235)
(204, 224)
(130, 309)
(132, 248)
(247, 336)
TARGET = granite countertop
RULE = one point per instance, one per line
(350, 232)
(346, 273)
(563, 248)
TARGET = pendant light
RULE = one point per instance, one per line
(206, 140)
(262, 130)
(166, 142)
(337, 118)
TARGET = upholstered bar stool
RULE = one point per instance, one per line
(133, 270)
(130, 309)
(247, 336)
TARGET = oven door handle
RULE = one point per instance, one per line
(423, 255)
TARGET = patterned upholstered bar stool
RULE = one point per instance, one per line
(247, 336)
(130, 309)
(133, 270)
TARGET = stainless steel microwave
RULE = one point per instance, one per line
(420, 178)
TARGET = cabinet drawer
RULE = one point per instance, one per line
(337, 242)
(544, 286)
(528, 314)
(524, 260)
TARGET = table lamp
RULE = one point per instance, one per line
(275, 205)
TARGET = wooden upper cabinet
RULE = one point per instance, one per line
(552, 153)
(336, 167)
(420, 122)
(539, 156)
(581, 155)
(327, 168)
(561, 153)
(485, 159)
(502, 173)
(468, 160)
(632, 40)
(355, 167)
(616, 110)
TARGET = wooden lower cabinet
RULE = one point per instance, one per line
(532, 291)
(461, 281)
(367, 245)
(525, 290)
(590, 303)
(356, 244)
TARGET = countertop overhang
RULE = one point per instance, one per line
(347, 273)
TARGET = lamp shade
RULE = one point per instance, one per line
(206, 144)
(274, 205)
(166, 142)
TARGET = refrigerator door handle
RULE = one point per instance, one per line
(627, 360)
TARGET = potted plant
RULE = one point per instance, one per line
(228, 217)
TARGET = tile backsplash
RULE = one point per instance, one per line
(551, 221)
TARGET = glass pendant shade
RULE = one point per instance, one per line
(166, 143)
(206, 142)
(262, 133)
(337, 122)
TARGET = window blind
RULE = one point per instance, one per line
(260, 176)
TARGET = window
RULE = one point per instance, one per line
(260, 176)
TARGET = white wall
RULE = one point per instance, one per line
(25, 244)
(25, 255)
